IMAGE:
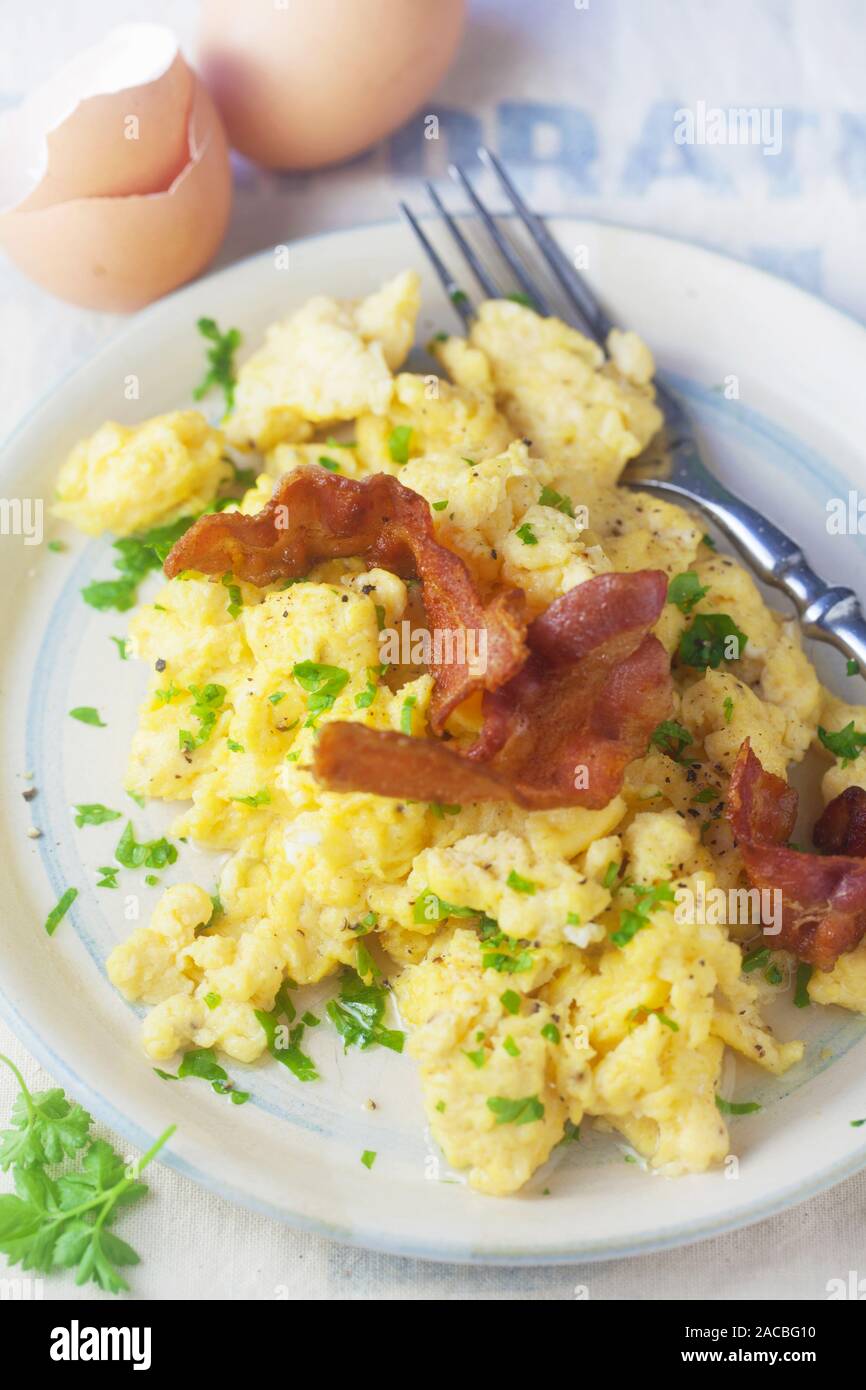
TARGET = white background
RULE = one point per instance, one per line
(582, 99)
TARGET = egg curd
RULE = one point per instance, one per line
(538, 960)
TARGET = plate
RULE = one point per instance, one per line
(773, 379)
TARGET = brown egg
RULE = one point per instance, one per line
(110, 222)
(303, 84)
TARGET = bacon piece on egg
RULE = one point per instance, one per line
(316, 515)
(559, 733)
(823, 896)
(841, 828)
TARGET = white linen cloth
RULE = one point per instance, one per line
(582, 96)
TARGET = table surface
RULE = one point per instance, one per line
(581, 96)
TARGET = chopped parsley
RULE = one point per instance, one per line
(852, 668)
(516, 1112)
(440, 506)
(801, 989)
(92, 813)
(672, 738)
(236, 600)
(520, 884)
(510, 1001)
(711, 639)
(431, 908)
(441, 810)
(406, 713)
(368, 1158)
(331, 464)
(476, 1058)
(510, 1046)
(59, 911)
(202, 1062)
(213, 1000)
(846, 744)
(109, 874)
(207, 701)
(276, 697)
(283, 1042)
(551, 1033)
(648, 899)
(728, 708)
(526, 534)
(398, 443)
(121, 645)
(357, 1015)
(149, 854)
(549, 497)
(221, 365)
(86, 714)
(610, 874)
(135, 557)
(459, 297)
(685, 590)
(234, 746)
(756, 960)
(322, 683)
(518, 297)
(732, 1107)
(259, 798)
(507, 955)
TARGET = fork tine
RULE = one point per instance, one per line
(455, 293)
(508, 251)
(583, 301)
(485, 280)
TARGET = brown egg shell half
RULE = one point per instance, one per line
(120, 253)
(89, 154)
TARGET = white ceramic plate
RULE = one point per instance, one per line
(793, 439)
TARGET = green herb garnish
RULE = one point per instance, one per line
(686, 590)
(526, 534)
(59, 911)
(92, 813)
(149, 854)
(398, 443)
(711, 639)
(221, 365)
(515, 1112)
(357, 1015)
(63, 1222)
(846, 744)
(323, 684)
(549, 497)
(86, 714)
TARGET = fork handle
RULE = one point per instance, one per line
(828, 612)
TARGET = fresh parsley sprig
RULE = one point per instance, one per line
(63, 1222)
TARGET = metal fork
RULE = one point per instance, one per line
(828, 612)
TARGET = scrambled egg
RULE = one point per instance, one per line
(540, 960)
(123, 478)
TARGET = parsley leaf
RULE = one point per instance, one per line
(672, 738)
(711, 639)
(526, 534)
(221, 365)
(549, 497)
(846, 744)
(202, 1062)
(398, 443)
(59, 911)
(92, 813)
(284, 1044)
(731, 1107)
(648, 899)
(519, 884)
(63, 1221)
(86, 714)
(685, 590)
(323, 684)
(358, 1012)
(516, 1112)
(149, 854)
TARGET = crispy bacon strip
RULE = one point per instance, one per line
(823, 896)
(316, 515)
(560, 733)
(841, 827)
